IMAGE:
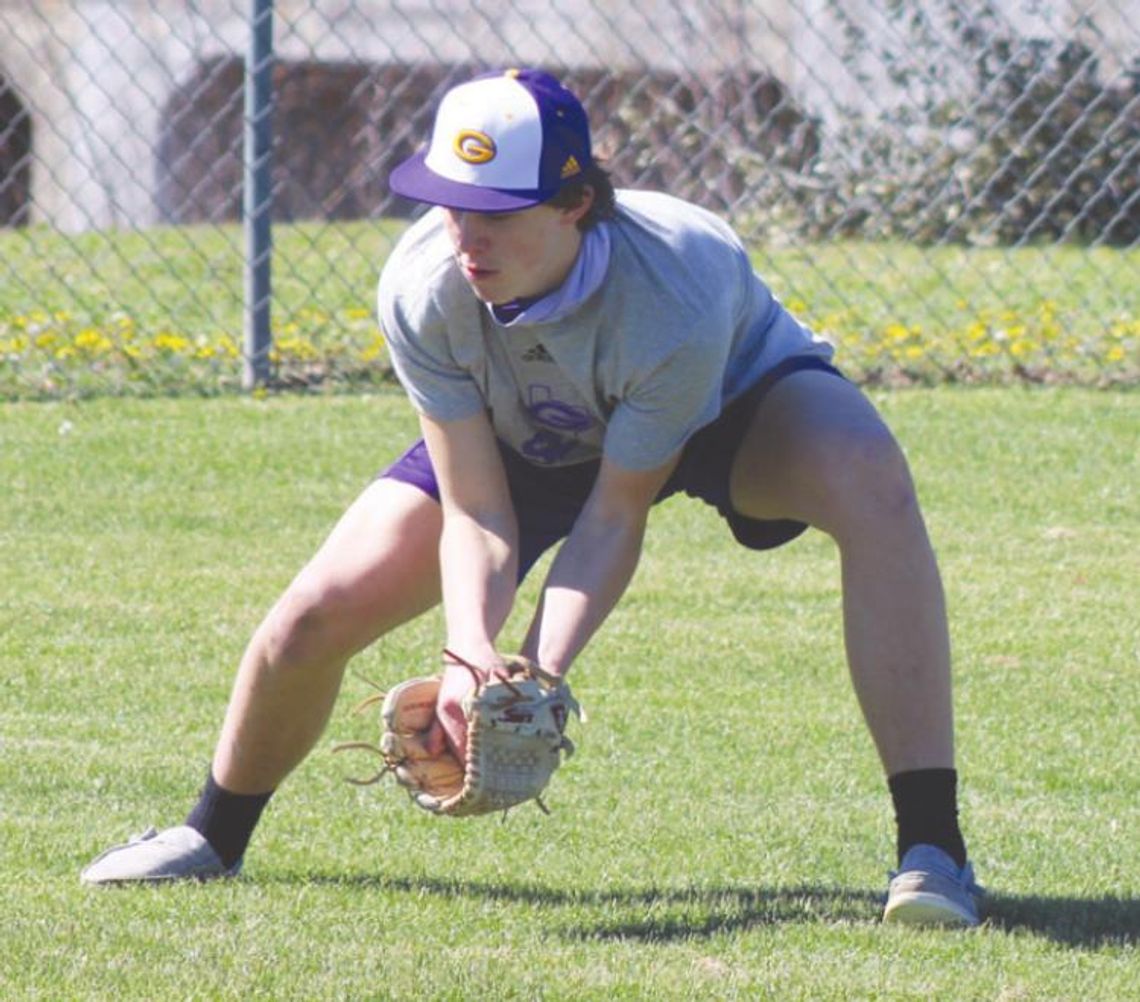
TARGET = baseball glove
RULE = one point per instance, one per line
(516, 718)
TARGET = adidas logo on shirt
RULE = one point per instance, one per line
(537, 354)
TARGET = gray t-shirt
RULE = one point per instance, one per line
(678, 327)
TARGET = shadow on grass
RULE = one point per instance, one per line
(1082, 922)
(654, 914)
(650, 913)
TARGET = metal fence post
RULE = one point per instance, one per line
(257, 201)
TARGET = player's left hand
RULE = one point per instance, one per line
(449, 729)
(511, 736)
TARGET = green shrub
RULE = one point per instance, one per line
(1038, 148)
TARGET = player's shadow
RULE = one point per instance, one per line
(1078, 922)
(654, 914)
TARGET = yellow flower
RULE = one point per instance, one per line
(373, 350)
(92, 342)
(296, 348)
(171, 344)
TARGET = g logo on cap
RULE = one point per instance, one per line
(473, 147)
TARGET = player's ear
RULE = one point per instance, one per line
(575, 213)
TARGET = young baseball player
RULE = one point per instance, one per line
(576, 355)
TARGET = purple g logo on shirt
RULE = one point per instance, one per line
(561, 422)
(556, 414)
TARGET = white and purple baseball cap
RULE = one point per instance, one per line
(501, 142)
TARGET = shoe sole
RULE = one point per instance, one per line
(163, 878)
(918, 908)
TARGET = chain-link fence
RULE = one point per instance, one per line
(949, 190)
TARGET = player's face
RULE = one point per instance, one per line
(509, 255)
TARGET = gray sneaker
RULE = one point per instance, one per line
(153, 857)
(930, 889)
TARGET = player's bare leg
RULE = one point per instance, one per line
(819, 453)
(378, 568)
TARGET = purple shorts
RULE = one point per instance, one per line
(547, 499)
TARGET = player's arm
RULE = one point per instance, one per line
(478, 545)
(595, 563)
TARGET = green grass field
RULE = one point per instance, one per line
(724, 831)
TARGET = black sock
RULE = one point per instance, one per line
(926, 810)
(226, 820)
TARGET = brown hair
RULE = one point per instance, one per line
(595, 176)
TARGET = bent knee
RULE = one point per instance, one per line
(309, 623)
(846, 480)
(864, 482)
(875, 470)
